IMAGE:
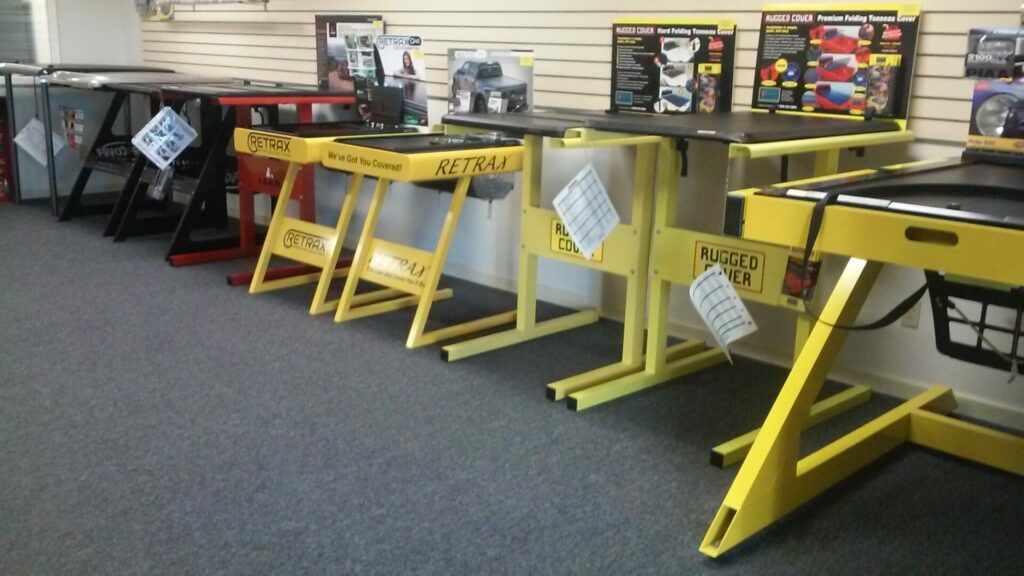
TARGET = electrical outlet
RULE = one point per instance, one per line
(912, 319)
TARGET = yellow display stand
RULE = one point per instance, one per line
(410, 275)
(625, 253)
(676, 259)
(774, 479)
(300, 240)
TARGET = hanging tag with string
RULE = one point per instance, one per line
(586, 211)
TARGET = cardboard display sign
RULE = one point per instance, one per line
(490, 80)
(672, 66)
(997, 117)
(403, 65)
(837, 59)
(995, 53)
(345, 49)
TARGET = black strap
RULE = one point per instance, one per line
(817, 216)
(683, 147)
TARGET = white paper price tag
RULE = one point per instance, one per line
(587, 211)
(721, 308)
(32, 141)
(164, 138)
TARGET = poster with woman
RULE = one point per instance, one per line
(402, 64)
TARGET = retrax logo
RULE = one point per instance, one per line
(305, 242)
(263, 143)
(115, 151)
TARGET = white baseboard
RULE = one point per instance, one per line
(551, 294)
(967, 405)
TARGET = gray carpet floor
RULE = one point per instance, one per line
(156, 421)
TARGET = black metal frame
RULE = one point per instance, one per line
(942, 289)
(207, 205)
(73, 205)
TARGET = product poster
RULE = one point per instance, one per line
(997, 116)
(835, 59)
(677, 66)
(495, 81)
(403, 65)
(344, 49)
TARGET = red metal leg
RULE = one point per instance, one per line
(245, 278)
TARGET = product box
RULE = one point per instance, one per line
(997, 117)
(995, 53)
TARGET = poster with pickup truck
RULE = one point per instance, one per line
(850, 60)
(494, 81)
(672, 66)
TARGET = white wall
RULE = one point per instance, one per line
(76, 32)
(572, 43)
(88, 31)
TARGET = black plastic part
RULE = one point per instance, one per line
(570, 403)
(942, 290)
(989, 194)
(549, 394)
(444, 355)
(431, 143)
(717, 459)
(737, 127)
(73, 205)
(683, 146)
(734, 206)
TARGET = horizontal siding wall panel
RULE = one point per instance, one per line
(631, 6)
(571, 41)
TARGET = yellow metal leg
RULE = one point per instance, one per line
(968, 441)
(735, 450)
(636, 292)
(601, 393)
(273, 230)
(666, 195)
(826, 162)
(636, 282)
(418, 336)
(527, 328)
(769, 483)
(661, 364)
(320, 303)
(363, 252)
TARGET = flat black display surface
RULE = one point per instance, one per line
(329, 129)
(730, 127)
(248, 90)
(991, 194)
(551, 122)
(432, 143)
(239, 89)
